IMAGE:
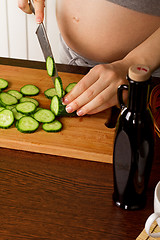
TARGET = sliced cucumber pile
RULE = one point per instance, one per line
(17, 106)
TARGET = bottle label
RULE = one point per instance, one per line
(122, 161)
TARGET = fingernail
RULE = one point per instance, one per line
(69, 109)
(80, 113)
(38, 20)
(65, 101)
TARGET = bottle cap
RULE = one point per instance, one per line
(139, 73)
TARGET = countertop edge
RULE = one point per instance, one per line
(42, 65)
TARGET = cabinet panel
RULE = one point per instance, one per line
(18, 38)
(16, 31)
(4, 50)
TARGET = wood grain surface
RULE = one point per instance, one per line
(154, 229)
(85, 137)
(48, 197)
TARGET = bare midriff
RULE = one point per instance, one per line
(102, 31)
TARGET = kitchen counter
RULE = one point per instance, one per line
(51, 197)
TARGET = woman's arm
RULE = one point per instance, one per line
(39, 8)
(148, 52)
(97, 90)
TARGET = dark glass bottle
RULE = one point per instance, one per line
(134, 142)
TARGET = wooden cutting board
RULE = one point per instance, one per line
(82, 137)
(154, 229)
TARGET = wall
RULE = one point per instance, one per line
(18, 38)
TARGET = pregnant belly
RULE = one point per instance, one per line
(102, 31)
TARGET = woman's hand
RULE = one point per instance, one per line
(97, 90)
(39, 8)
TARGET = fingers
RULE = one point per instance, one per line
(88, 95)
(39, 10)
(81, 86)
(103, 99)
(24, 6)
(95, 92)
(112, 102)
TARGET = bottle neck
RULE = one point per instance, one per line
(138, 95)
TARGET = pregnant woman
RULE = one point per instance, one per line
(109, 36)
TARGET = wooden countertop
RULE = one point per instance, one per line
(49, 197)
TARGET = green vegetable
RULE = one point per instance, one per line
(54, 126)
(3, 83)
(2, 108)
(6, 118)
(58, 86)
(7, 99)
(27, 124)
(17, 115)
(49, 93)
(29, 90)
(70, 86)
(28, 99)
(26, 108)
(58, 108)
(50, 66)
(15, 93)
(44, 116)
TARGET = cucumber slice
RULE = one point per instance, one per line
(10, 107)
(26, 108)
(49, 93)
(59, 109)
(2, 104)
(70, 86)
(7, 99)
(54, 126)
(2, 108)
(27, 99)
(44, 116)
(3, 83)
(6, 118)
(38, 108)
(29, 90)
(15, 93)
(16, 123)
(27, 124)
(17, 115)
(50, 66)
(56, 106)
(58, 86)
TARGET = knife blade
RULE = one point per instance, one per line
(44, 41)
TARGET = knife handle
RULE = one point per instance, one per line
(31, 5)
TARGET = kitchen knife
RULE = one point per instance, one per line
(43, 40)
